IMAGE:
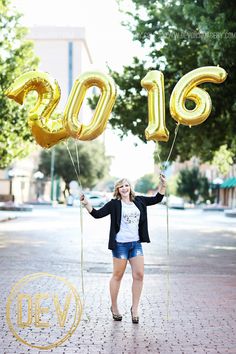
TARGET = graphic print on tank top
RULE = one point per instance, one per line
(129, 223)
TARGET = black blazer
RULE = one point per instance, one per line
(113, 207)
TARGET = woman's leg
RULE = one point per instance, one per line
(137, 265)
(119, 266)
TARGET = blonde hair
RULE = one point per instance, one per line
(118, 184)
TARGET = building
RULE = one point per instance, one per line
(223, 188)
(64, 54)
(228, 189)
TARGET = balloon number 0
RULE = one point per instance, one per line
(49, 131)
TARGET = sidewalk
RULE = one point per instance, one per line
(186, 318)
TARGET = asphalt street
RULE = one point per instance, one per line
(189, 296)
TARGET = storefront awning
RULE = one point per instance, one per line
(229, 183)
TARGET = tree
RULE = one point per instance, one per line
(16, 57)
(93, 164)
(172, 184)
(180, 36)
(223, 159)
(146, 183)
(192, 185)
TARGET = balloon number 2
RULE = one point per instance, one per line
(49, 131)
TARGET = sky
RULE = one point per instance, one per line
(101, 19)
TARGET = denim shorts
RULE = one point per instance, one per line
(127, 250)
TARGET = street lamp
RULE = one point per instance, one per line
(11, 174)
(217, 182)
(38, 176)
(52, 174)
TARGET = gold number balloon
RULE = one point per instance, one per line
(153, 82)
(46, 130)
(103, 109)
(186, 88)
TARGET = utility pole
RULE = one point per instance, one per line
(52, 173)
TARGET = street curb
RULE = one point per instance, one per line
(9, 218)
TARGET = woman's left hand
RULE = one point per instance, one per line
(162, 186)
(163, 180)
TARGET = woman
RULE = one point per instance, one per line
(128, 230)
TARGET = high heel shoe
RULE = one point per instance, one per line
(135, 319)
(116, 317)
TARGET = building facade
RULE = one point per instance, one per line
(64, 54)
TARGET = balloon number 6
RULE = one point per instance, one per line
(186, 88)
(49, 131)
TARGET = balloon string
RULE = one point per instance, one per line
(168, 292)
(164, 167)
(82, 252)
(168, 254)
(77, 172)
(167, 223)
(78, 164)
(167, 286)
(173, 143)
(81, 229)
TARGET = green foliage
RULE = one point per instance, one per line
(172, 185)
(146, 183)
(16, 57)
(192, 185)
(179, 37)
(93, 164)
(223, 159)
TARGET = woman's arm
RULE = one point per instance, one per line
(96, 213)
(100, 213)
(160, 194)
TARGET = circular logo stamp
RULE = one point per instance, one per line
(43, 310)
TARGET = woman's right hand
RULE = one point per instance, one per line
(84, 201)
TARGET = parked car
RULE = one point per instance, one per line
(97, 200)
(70, 200)
(174, 202)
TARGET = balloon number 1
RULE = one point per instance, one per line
(153, 82)
(49, 131)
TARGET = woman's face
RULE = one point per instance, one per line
(124, 189)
